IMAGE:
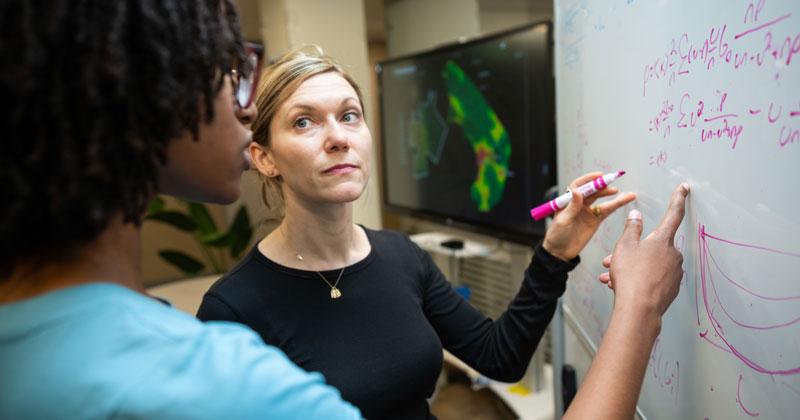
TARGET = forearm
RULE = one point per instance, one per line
(611, 387)
(502, 349)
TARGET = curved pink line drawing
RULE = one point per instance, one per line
(704, 336)
(708, 286)
(743, 245)
(748, 290)
(739, 399)
(736, 321)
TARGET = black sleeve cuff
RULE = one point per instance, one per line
(553, 265)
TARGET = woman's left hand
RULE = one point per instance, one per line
(573, 227)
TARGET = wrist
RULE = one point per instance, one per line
(640, 316)
(555, 251)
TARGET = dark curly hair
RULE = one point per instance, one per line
(95, 91)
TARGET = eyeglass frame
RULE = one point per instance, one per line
(250, 48)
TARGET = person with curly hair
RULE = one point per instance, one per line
(111, 102)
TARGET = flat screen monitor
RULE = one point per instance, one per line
(468, 132)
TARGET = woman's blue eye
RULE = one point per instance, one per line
(350, 117)
(301, 123)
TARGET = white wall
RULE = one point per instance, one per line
(273, 27)
(414, 25)
(498, 15)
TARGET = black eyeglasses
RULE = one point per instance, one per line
(244, 88)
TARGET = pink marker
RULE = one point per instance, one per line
(587, 189)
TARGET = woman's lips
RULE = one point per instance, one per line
(340, 169)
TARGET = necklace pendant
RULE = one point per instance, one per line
(335, 293)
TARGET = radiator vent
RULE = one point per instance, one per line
(493, 283)
(493, 280)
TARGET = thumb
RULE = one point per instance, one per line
(633, 227)
(575, 205)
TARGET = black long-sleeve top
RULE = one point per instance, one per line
(381, 343)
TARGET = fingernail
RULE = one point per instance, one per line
(685, 186)
(635, 215)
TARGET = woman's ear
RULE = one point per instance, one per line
(262, 160)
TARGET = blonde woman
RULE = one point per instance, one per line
(369, 309)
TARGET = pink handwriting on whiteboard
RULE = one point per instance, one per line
(762, 36)
(665, 372)
(746, 316)
(717, 49)
(716, 122)
(735, 330)
(789, 135)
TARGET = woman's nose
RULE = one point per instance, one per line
(336, 138)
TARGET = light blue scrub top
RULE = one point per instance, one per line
(101, 351)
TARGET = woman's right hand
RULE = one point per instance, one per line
(646, 273)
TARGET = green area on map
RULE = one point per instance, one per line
(486, 134)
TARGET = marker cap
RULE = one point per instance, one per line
(540, 212)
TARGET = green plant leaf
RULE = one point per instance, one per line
(202, 217)
(241, 232)
(175, 219)
(216, 239)
(156, 205)
(183, 262)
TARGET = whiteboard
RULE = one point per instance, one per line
(707, 92)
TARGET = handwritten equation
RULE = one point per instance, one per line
(664, 372)
(712, 118)
(720, 49)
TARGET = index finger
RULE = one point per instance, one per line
(674, 215)
(584, 179)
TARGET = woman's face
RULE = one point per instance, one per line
(320, 144)
(210, 167)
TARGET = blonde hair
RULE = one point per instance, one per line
(278, 82)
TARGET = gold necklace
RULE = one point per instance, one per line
(335, 292)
